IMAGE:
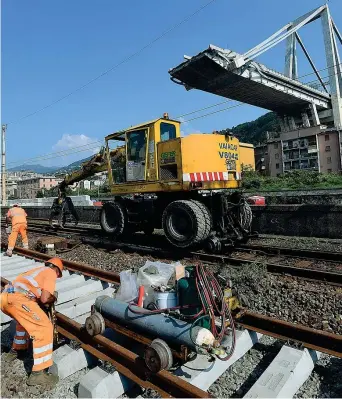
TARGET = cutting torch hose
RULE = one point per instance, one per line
(211, 295)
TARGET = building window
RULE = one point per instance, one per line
(326, 137)
(329, 160)
(329, 170)
(275, 145)
(276, 156)
(327, 148)
(277, 165)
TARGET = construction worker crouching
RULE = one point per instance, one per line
(22, 300)
(17, 216)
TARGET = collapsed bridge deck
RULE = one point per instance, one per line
(216, 70)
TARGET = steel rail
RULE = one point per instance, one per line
(128, 363)
(272, 250)
(307, 273)
(311, 274)
(125, 361)
(295, 252)
(311, 338)
(83, 268)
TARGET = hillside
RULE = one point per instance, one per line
(72, 166)
(49, 169)
(34, 168)
(250, 132)
(255, 131)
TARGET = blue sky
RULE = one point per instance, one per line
(50, 48)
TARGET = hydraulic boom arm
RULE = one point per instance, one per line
(96, 164)
(62, 206)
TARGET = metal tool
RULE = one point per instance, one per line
(52, 316)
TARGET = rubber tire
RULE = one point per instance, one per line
(200, 218)
(206, 213)
(246, 222)
(117, 210)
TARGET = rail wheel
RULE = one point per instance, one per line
(112, 218)
(186, 223)
(158, 356)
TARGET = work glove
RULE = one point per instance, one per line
(8, 229)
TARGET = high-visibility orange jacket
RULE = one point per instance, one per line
(31, 319)
(36, 280)
(17, 215)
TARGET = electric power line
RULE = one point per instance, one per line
(76, 150)
(72, 150)
(58, 156)
(215, 112)
(59, 153)
(203, 109)
(123, 61)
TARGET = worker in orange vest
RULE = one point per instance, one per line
(17, 216)
(23, 299)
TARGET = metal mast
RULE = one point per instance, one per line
(3, 166)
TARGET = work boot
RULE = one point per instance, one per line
(42, 378)
(8, 253)
(10, 356)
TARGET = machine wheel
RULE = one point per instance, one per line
(112, 218)
(246, 216)
(158, 356)
(186, 223)
(95, 324)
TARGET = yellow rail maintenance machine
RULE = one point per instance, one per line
(187, 186)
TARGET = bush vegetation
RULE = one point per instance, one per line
(295, 180)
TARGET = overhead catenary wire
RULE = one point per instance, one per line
(123, 61)
(75, 149)
(65, 152)
(63, 155)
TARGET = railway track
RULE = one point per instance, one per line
(301, 263)
(79, 287)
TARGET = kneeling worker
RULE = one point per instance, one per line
(17, 216)
(21, 300)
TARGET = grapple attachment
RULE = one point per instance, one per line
(62, 212)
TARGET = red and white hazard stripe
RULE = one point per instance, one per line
(205, 176)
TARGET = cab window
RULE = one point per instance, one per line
(167, 131)
(136, 146)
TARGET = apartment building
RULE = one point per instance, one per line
(28, 188)
(314, 148)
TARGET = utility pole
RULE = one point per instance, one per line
(3, 165)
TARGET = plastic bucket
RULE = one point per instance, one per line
(166, 300)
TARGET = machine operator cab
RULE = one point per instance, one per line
(136, 161)
(154, 158)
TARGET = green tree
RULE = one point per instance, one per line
(40, 194)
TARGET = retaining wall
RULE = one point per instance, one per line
(292, 220)
(299, 220)
(78, 200)
(316, 197)
(87, 214)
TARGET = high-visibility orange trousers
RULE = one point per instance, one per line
(18, 228)
(37, 324)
